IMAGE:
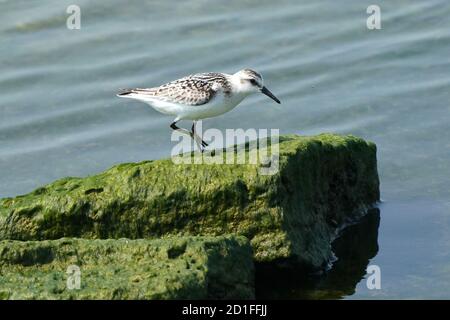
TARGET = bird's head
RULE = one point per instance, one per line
(250, 81)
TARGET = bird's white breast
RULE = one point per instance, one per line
(220, 104)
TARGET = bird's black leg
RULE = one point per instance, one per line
(191, 133)
(181, 130)
(204, 144)
(200, 143)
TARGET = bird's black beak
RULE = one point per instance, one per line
(270, 94)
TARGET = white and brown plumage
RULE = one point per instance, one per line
(200, 96)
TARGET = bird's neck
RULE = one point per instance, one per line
(236, 86)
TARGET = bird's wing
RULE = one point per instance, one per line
(192, 90)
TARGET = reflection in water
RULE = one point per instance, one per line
(354, 248)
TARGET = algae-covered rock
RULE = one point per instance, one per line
(172, 268)
(321, 182)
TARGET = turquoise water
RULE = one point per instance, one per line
(60, 117)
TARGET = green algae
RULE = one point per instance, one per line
(323, 181)
(170, 268)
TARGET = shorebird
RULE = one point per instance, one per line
(200, 96)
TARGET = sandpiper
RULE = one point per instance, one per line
(200, 96)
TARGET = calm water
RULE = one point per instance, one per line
(59, 115)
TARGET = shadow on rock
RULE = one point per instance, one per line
(355, 246)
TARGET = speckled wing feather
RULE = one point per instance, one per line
(192, 90)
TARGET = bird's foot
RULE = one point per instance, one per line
(201, 144)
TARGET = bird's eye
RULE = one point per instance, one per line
(253, 81)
